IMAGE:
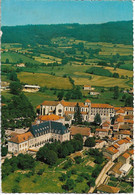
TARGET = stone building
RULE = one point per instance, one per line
(37, 136)
(88, 109)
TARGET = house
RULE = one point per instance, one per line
(125, 169)
(124, 158)
(100, 144)
(37, 136)
(106, 125)
(107, 189)
(115, 169)
(88, 110)
(84, 131)
(20, 65)
(111, 153)
(119, 147)
(103, 133)
(88, 87)
(4, 86)
(94, 93)
(31, 88)
(122, 134)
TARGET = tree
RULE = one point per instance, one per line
(68, 95)
(116, 92)
(25, 161)
(15, 87)
(77, 115)
(78, 137)
(116, 75)
(13, 76)
(129, 101)
(78, 159)
(51, 157)
(7, 61)
(97, 119)
(60, 95)
(70, 184)
(4, 151)
(90, 142)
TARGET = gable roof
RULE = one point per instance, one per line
(112, 150)
(84, 131)
(115, 168)
(51, 117)
(108, 189)
(101, 106)
(21, 137)
(126, 155)
(102, 130)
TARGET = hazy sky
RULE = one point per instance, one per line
(21, 12)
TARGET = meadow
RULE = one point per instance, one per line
(45, 80)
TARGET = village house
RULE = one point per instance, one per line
(123, 166)
(4, 86)
(37, 136)
(88, 109)
(107, 189)
(20, 65)
(122, 134)
(120, 146)
(88, 88)
(31, 88)
(84, 131)
(106, 125)
(100, 144)
(94, 93)
(103, 133)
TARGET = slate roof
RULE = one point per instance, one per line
(48, 127)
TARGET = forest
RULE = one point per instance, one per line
(114, 32)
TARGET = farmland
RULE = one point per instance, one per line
(45, 67)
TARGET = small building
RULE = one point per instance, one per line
(115, 169)
(103, 133)
(100, 143)
(111, 153)
(20, 65)
(4, 86)
(88, 88)
(31, 88)
(106, 125)
(84, 131)
(94, 93)
(124, 158)
(107, 189)
(125, 169)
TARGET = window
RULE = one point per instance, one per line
(59, 110)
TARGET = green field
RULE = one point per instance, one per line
(16, 57)
(45, 80)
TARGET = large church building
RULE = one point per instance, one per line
(88, 109)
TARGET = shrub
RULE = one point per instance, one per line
(79, 179)
(40, 172)
(63, 177)
(78, 159)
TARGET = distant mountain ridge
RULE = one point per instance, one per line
(114, 32)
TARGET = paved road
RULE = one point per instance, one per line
(102, 176)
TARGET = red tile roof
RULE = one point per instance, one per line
(21, 137)
(101, 106)
(126, 155)
(51, 117)
(84, 131)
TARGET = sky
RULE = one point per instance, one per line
(23, 12)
